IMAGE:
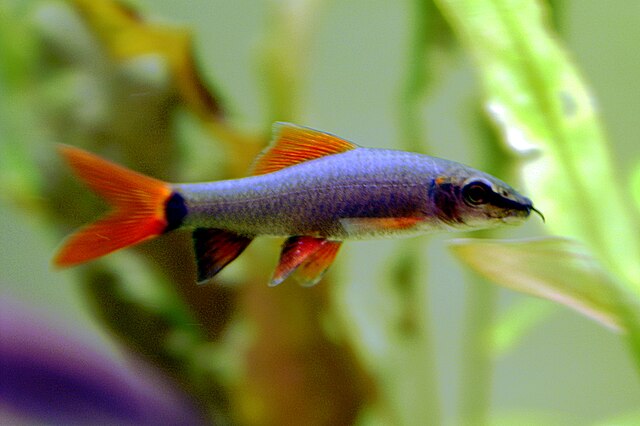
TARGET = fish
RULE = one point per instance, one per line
(312, 188)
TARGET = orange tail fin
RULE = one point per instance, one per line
(139, 208)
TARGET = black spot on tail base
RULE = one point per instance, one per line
(175, 211)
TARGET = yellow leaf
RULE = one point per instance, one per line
(125, 35)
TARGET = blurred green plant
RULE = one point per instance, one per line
(124, 81)
(117, 83)
(545, 112)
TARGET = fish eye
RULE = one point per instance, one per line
(476, 193)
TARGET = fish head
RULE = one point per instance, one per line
(469, 199)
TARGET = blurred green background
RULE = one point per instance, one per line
(345, 71)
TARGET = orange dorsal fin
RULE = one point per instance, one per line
(293, 144)
(139, 206)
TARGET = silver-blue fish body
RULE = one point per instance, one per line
(361, 193)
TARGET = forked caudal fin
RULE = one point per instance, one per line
(143, 208)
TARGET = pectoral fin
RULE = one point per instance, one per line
(215, 249)
(309, 257)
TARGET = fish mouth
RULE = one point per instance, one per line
(519, 212)
(521, 207)
(514, 210)
(515, 219)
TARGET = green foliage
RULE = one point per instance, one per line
(545, 112)
(514, 324)
(363, 349)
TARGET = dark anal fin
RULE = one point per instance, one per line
(215, 249)
(310, 256)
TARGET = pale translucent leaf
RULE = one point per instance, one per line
(553, 268)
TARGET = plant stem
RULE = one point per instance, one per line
(481, 302)
(477, 365)
(410, 269)
(414, 332)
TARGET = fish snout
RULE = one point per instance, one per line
(538, 212)
(528, 208)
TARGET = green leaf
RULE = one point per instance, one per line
(514, 324)
(635, 187)
(19, 125)
(292, 24)
(626, 419)
(541, 105)
(552, 268)
(529, 417)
